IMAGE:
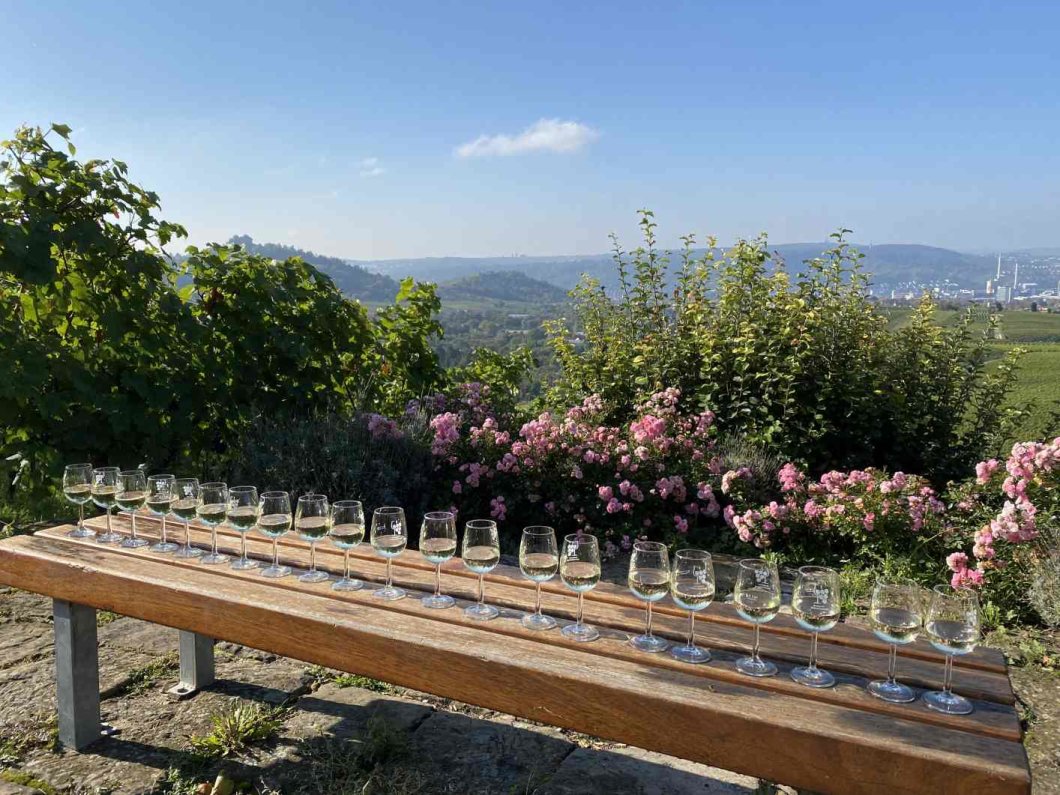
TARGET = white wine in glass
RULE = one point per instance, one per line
(757, 599)
(243, 507)
(212, 510)
(105, 496)
(77, 488)
(579, 569)
(160, 497)
(815, 603)
(952, 627)
(389, 539)
(131, 496)
(274, 522)
(312, 520)
(692, 588)
(481, 553)
(184, 507)
(347, 531)
(539, 562)
(896, 616)
(437, 545)
(649, 581)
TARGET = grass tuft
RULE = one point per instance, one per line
(235, 731)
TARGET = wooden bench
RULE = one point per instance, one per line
(839, 740)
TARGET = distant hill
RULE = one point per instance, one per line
(352, 280)
(889, 264)
(511, 286)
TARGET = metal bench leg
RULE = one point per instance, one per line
(196, 663)
(76, 673)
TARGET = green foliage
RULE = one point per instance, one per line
(805, 365)
(503, 373)
(236, 731)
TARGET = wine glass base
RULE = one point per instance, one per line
(648, 643)
(751, 666)
(583, 633)
(109, 538)
(276, 571)
(314, 576)
(214, 558)
(164, 547)
(949, 703)
(391, 593)
(347, 584)
(188, 552)
(481, 612)
(895, 692)
(134, 543)
(439, 602)
(243, 564)
(690, 654)
(538, 621)
(812, 677)
(82, 532)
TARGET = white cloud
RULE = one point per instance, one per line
(544, 135)
(370, 167)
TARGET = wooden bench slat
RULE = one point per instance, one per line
(807, 743)
(990, 718)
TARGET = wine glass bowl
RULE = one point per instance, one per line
(757, 600)
(692, 586)
(481, 552)
(539, 563)
(243, 507)
(212, 511)
(312, 519)
(389, 539)
(274, 522)
(347, 531)
(896, 616)
(815, 604)
(159, 502)
(437, 545)
(579, 569)
(77, 488)
(131, 496)
(105, 496)
(649, 581)
(952, 626)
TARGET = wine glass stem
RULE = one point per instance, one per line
(948, 675)
(580, 600)
(187, 534)
(163, 529)
(108, 521)
(80, 516)
(892, 662)
(754, 648)
(437, 579)
(647, 621)
(388, 562)
(213, 538)
(813, 653)
(133, 514)
(276, 553)
(481, 588)
(312, 558)
(243, 546)
(691, 629)
(346, 566)
(537, 603)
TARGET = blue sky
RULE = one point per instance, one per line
(369, 130)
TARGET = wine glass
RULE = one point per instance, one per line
(243, 507)
(389, 537)
(311, 519)
(104, 495)
(757, 599)
(815, 603)
(132, 493)
(159, 502)
(692, 588)
(347, 531)
(184, 507)
(539, 561)
(212, 510)
(952, 626)
(437, 545)
(579, 568)
(274, 521)
(896, 616)
(481, 553)
(77, 486)
(649, 580)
